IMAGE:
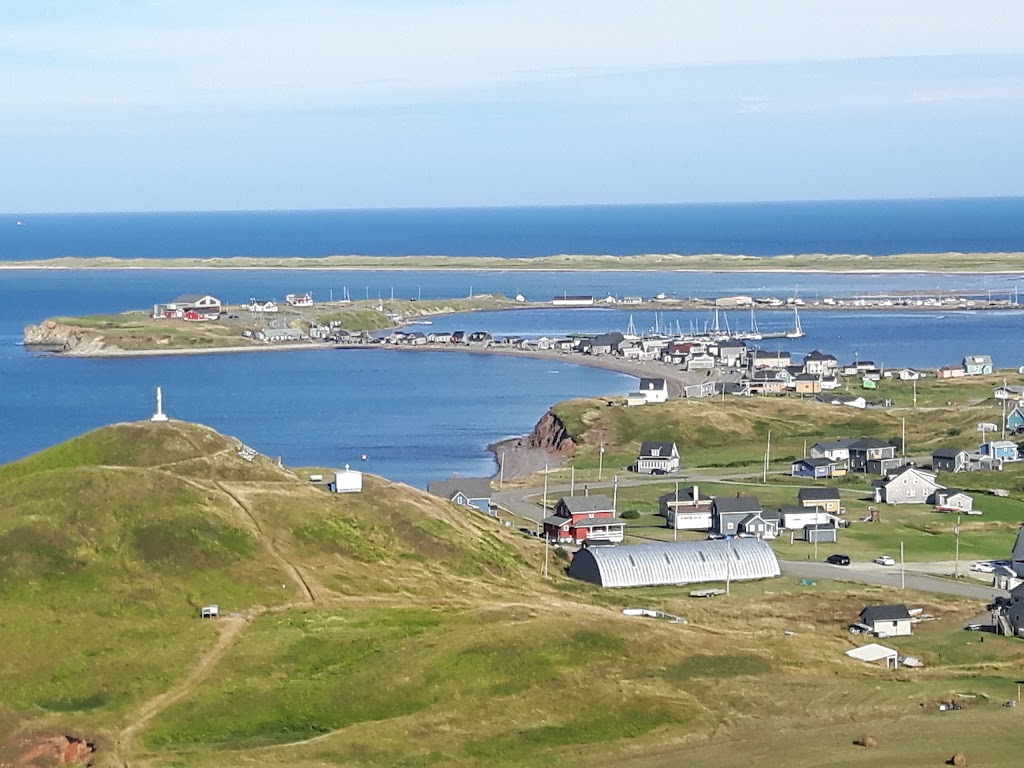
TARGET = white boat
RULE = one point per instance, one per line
(798, 331)
(421, 322)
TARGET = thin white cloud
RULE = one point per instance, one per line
(303, 54)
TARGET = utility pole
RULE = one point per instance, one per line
(572, 481)
(915, 392)
(547, 546)
(545, 514)
(728, 565)
(903, 570)
(956, 562)
(615, 495)
(767, 457)
(903, 438)
(600, 460)
(501, 471)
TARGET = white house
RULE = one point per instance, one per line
(299, 299)
(347, 481)
(796, 518)
(654, 390)
(887, 620)
(953, 500)
(262, 305)
(657, 457)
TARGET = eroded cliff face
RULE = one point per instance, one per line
(551, 436)
(66, 339)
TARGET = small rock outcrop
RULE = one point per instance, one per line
(64, 339)
(551, 436)
(54, 750)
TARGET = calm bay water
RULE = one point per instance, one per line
(422, 416)
(758, 229)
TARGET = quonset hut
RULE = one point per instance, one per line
(683, 562)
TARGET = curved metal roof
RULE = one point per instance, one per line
(684, 562)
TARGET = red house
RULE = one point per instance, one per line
(578, 518)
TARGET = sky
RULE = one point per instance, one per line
(250, 104)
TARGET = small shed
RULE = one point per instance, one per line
(821, 533)
(887, 620)
(873, 652)
(347, 481)
(209, 612)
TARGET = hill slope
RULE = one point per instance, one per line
(111, 542)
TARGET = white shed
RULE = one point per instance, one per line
(347, 481)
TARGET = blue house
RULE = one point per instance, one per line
(978, 365)
(467, 491)
(813, 468)
(1000, 450)
(1015, 419)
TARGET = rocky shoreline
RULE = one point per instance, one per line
(548, 445)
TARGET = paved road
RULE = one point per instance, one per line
(890, 577)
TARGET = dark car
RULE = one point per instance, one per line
(838, 559)
(659, 471)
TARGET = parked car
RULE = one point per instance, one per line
(659, 471)
(838, 559)
(885, 560)
(983, 567)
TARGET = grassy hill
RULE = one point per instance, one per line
(391, 628)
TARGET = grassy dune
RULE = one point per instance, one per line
(918, 262)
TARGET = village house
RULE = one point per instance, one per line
(466, 491)
(728, 512)
(887, 620)
(909, 485)
(953, 500)
(837, 450)
(807, 384)
(871, 449)
(279, 334)
(479, 339)
(584, 518)
(700, 362)
(604, 344)
(950, 460)
(200, 315)
(795, 518)
(1015, 420)
(950, 372)
(734, 301)
(1009, 392)
(204, 304)
(827, 499)
(908, 374)
(848, 400)
(813, 468)
(761, 525)
(763, 358)
(262, 306)
(686, 510)
(977, 365)
(999, 450)
(765, 382)
(657, 458)
(732, 354)
(299, 299)
(439, 337)
(654, 390)
(565, 300)
(818, 363)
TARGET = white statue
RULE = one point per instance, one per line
(159, 415)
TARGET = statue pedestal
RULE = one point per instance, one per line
(159, 417)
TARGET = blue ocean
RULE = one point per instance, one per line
(420, 416)
(870, 227)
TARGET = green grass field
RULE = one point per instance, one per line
(390, 628)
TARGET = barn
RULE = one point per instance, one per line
(683, 562)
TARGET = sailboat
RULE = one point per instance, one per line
(798, 330)
(755, 334)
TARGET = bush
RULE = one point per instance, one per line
(630, 514)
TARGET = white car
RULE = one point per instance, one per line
(983, 568)
(885, 560)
